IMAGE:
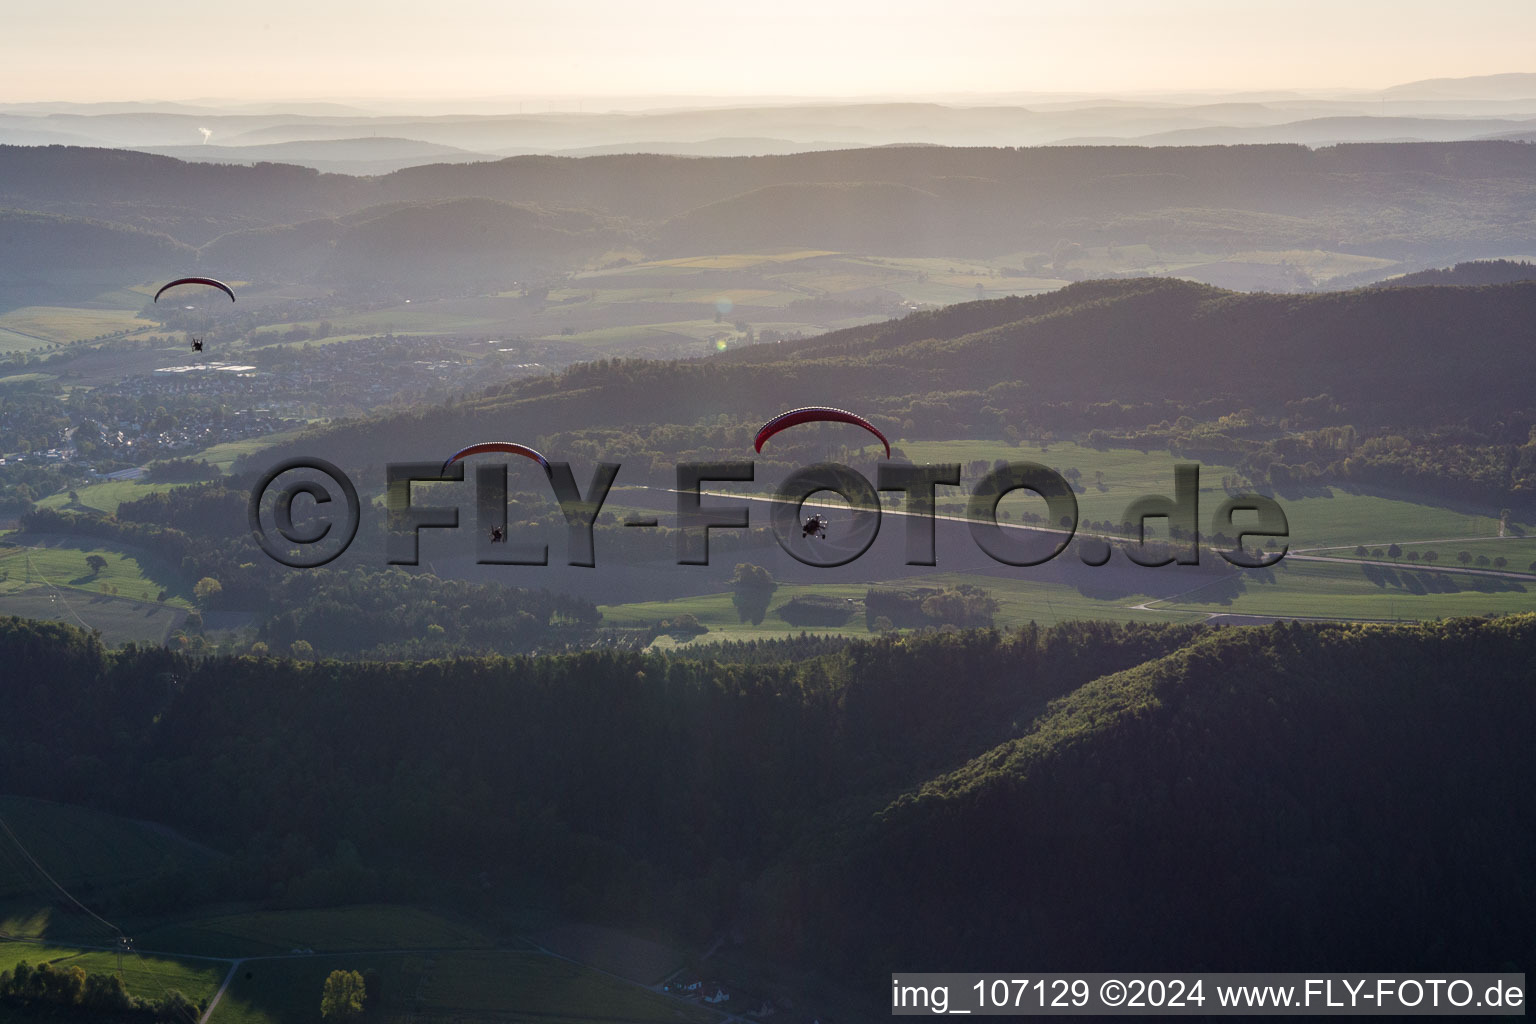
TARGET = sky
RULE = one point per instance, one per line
(117, 50)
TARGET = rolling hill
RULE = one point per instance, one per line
(1093, 353)
(1291, 795)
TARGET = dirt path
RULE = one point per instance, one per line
(213, 1004)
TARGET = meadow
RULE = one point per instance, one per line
(107, 495)
(30, 560)
(48, 578)
(97, 854)
(326, 930)
(1519, 553)
(1327, 589)
(146, 976)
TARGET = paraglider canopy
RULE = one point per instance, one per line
(210, 282)
(509, 447)
(816, 414)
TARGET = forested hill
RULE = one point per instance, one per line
(658, 187)
(1288, 796)
(926, 199)
(1258, 798)
(1104, 353)
(1475, 272)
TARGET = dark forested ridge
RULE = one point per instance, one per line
(1284, 797)
(1295, 796)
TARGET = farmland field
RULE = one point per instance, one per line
(35, 326)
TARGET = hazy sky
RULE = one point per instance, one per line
(179, 49)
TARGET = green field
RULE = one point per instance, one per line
(1127, 472)
(736, 261)
(1294, 588)
(31, 560)
(107, 495)
(15, 341)
(395, 320)
(1333, 518)
(1110, 480)
(23, 378)
(1519, 553)
(145, 976)
(1020, 600)
(718, 613)
(152, 977)
(1346, 519)
(119, 619)
(1023, 601)
(14, 952)
(47, 578)
(224, 455)
(684, 331)
(439, 988)
(96, 854)
(1353, 591)
(259, 933)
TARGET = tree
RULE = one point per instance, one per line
(1463, 557)
(302, 649)
(105, 992)
(177, 1007)
(1431, 556)
(752, 589)
(343, 995)
(207, 589)
(682, 627)
(1394, 552)
(1360, 551)
(96, 563)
